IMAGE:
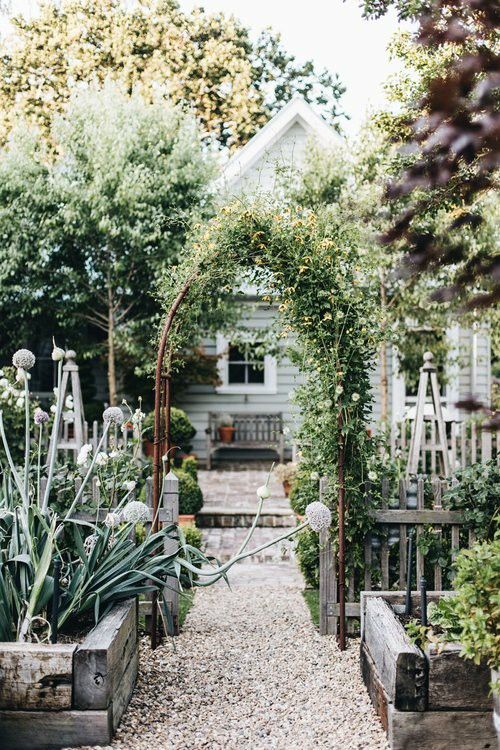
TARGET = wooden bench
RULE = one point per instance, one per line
(255, 431)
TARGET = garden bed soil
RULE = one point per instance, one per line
(70, 693)
(432, 700)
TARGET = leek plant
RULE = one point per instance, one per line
(103, 564)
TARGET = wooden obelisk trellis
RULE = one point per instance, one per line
(428, 374)
(71, 377)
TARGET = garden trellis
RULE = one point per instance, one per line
(311, 268)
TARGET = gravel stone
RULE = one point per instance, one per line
(250, 671)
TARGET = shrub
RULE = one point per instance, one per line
(190, 466)
(194, 537)
(307, 551)
(190, 494)
(181, 429)
(477, 495)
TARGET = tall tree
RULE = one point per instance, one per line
(206, 62)
(89, 226)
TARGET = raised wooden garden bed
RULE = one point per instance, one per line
(425, 700)
(65, 695)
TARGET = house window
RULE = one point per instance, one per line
(242, 371)
(244, 367)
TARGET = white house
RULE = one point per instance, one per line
(265, 390)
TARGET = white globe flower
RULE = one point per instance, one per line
(112, 520)
(113, 415)
(23, 359)
(263, 492)
(355, 397)
(136, 512)
(372, 476)
(318, 516)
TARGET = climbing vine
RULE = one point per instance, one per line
(311, 268)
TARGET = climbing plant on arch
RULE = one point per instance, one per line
(312, 267)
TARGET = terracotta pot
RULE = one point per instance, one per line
(226, 434)
(287, 486)
(186, 519)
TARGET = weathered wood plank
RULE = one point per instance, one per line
(415, 516)
(440, 730)
(455, 682)
(401, 666)
(376, 691)
(54, 729)
(125, 688)
(36, 675)
(100, 661)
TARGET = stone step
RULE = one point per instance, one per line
(223, 517)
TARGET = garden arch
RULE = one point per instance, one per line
(313, 270)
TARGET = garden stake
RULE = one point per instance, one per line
(341, 516)
(55, 602)
(423, 601)
(408, 574)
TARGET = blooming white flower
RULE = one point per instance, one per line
(53, 408)
(136, 512)
(23, 359)
(372, 476)
(129, 486)
(355, 396)
(114, 454)
(263, 492)
(102, 459)
(112, 519)
(5, 395)
(20, 402)
(4, 382)
(138, 417)
(68, 402)
(338, 390)
(113, 415)
(83, 454)
(318, 516)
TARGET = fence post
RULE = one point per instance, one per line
(327, 577)
(171, 508)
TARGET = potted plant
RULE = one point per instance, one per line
(190, 494)
(226, 429)
(285, 473)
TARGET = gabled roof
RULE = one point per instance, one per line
(296, 111)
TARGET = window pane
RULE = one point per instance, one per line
(236, 355)
(236, 373)
(255, 375)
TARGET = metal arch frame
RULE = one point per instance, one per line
(162, 438)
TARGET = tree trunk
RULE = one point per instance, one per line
(111, 350)
(384, 380)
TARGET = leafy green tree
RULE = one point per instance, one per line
(206, 62)
(89, 226)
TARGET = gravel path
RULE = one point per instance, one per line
(250, 672)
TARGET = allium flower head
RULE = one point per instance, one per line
(263, 492)
(40, 416)
(136, 512)
(113, 415)
(90, 542)
(318, 516)
(23, 359)
(112, 520)
(57, 353)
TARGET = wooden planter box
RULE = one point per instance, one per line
(65, 695)
(431, 700)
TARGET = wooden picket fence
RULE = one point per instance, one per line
(385, 548)
(167, 514)
(118, 437)
(467, 444)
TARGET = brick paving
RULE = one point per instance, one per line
(232, 492)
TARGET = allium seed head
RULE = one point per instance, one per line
(136, 512)
(40, 416)
(112, 520)
(318, 516)
(113, 415)
(23, 359)
(90, 542)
